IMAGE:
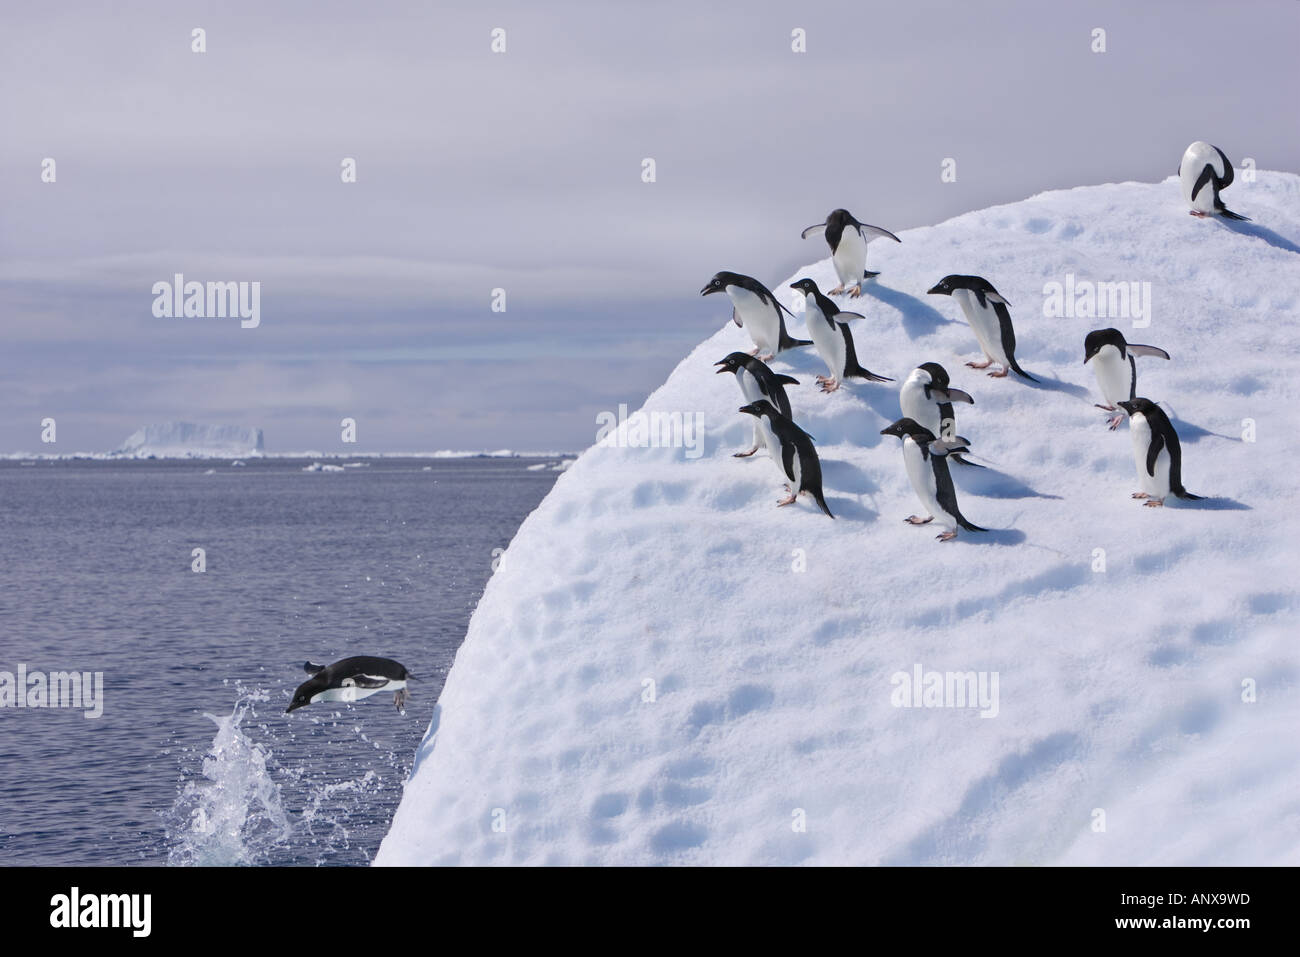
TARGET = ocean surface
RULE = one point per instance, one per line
(194, 761)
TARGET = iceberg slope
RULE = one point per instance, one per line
(667, 668)
(180, 440)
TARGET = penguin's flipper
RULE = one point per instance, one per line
(1226, 213)
(868, 274)
(846, 316)
(1226, 179)
(785, 379)
(1138, 350)
(950, 395)
(813, 231)
(312, 669)
(1153, 450)
(959, 459)
(369, 681)
(735, 317)
(869, 233)
(1206, 177)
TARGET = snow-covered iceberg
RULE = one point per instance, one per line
(186, 440)
(666, 668)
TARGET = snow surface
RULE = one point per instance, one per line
(1120, 690)
(186, 440)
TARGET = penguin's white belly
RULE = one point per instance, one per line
(850, 257)
(1114, 375)
(761, 319)
(351, 693)
(770, 442)
(922, 477)
(1198, 156)
(749, 387)
(1157, 486)
(984, 323)
(915, 406)
(828, 341)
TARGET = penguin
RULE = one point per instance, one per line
(1204, 171)
(927, 466)
(352, 679)
(848, 240)
(792, 450)
(1115, 365)
(989, 319)
(927, 398)
(832, 338)
(756, 382)
(1156, 452)
(756, 310)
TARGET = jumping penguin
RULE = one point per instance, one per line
(756, 310)
(1156, 452)
(1114, 363)
(792, 450)
(848, 240)
(756, 382)
(926, 397)
(1204, 171)
(352, 679)
(989, 319)
(832, 338)
(927, 466)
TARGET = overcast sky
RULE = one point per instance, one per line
(522, 171)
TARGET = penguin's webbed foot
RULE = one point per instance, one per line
(788, 500)
(754, 351)
(1104, 408)
(946, 536)
(856, 291)
(837, 290)
(1154, 503)
(1140, 495)
(1114, 421)
(399, 700)
(918, 520)
(766, 357)
(1198, 215)
(744, 455)
(830, 385)
(999, 375)
(980, 365)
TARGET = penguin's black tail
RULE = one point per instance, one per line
(858, 372)
(1015, 367)
(968, 526)
(1183, 493)
(1229, 214)
(788, 342)
(821, 500)
(868, 274)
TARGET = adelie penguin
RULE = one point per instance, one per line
(756, 310)
(832, 338)
(927, 398)
(1204, 171)
(1156, 453)
(756, 382)
(926, 458)
(1114, 362)
(848, 240)
(352, 679)
(792, 450)
(989, 319)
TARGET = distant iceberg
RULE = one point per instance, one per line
(186, 440)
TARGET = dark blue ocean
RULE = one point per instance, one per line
(194, 760)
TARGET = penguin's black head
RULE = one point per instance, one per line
(302, 697)
(806, 286)
(938, 374)
(946, 285)
(720, 282)
(733, 363)
(841, 216)
(758, 409)
(904, 427)
(1094, 340)
(1138, 405)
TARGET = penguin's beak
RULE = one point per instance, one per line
(724, 366)
(748, 409)
(936, 290)
(708, 289)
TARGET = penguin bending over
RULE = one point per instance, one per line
(756, 382)
(848, 240)
(927, 398)
(989, 319)
(1114, 363)
(1156, 452)
(926, 459)
(1203, 172)
(756, 310)
(792, 450)
(832, 338)
(351, 679)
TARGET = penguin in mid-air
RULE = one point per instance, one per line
(1114, 363)
(848, 240)
(926, 459)
(756, 382)
(989, 319)
(832, 338)
(1204, 171)
(792, 450)
(352, 679)
(1156, 452)
(756, 310)
(926, 397)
